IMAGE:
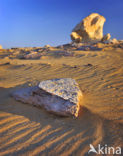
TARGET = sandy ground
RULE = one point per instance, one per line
(26, 130)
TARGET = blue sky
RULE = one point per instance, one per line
(25, 23)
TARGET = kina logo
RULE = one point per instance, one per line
(105, 150)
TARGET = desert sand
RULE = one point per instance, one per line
(27, 130)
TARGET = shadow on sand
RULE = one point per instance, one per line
(28, 130)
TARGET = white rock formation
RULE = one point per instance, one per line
(90, 28)
(59, 96)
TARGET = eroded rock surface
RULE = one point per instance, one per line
(59, 96)
(90, 28)
(75, 37)
(106, 37)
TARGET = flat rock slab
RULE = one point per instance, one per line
(59, 96)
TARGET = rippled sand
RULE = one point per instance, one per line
(27, 130)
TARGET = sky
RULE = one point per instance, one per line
(35, 23)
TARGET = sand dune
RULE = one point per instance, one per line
(27, 130)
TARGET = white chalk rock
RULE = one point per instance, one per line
(90, 28)
(59, 96)
(65, 88)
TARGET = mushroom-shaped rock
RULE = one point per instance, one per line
(90, 28)
(59, 96)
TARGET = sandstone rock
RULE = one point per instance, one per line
(1, 47)
(90, 28)
(59, 96)
(106, 37)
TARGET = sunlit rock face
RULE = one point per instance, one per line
(59, 96)
(1, 47)
(75, 37)
(90, 28)
(106, 37)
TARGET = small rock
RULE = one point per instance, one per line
(33, 55)
(59, 96)
(90, 65)
(106, 37)
(65, 88)
(47, 46)
(107, 41)
(29, 84)
(109, 87)
(114, 41)
(1, 47)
